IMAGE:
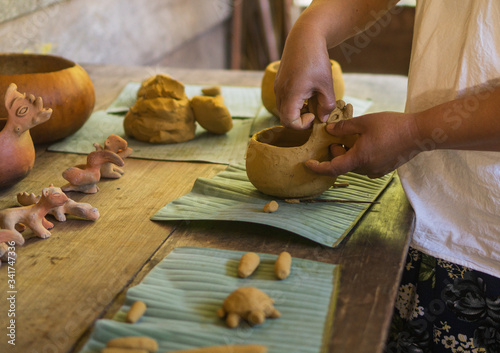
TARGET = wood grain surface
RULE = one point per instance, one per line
(80, 274)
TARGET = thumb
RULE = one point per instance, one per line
(337, 166)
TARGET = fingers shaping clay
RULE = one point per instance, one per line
(247, 303)
(162, 113)
(212, 114)
(248, 264)
(275, 158)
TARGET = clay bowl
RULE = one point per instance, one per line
(267, 85)
(275, 160)
(63, 85)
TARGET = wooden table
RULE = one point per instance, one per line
(80, 274)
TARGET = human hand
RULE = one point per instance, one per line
(386, 141)
(305, 72)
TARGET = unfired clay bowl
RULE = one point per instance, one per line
(63, 85)
(267, 85)
(275, 160)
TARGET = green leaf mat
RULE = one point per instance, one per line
(184, 291)
(241, 101)
(230, 196)
(205, 147)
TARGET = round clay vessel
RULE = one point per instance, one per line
(65, 87)
(267, 85)
(275, 160)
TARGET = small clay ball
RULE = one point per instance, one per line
(271, 206)
(212, 114)
(211, 91)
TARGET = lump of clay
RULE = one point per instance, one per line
(162, 113)
(212, 114)
(250, 304)
(211, 91)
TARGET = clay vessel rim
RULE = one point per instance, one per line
(17, 64)
(306, 132)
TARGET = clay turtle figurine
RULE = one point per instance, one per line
(84, 178)
(118, 145)
(17, 152)
(71, 207)
(250, 304)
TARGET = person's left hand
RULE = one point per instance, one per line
(386, 141)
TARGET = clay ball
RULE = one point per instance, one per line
(212, 114)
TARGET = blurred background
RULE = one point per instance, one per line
(209, 34)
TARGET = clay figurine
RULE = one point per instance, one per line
(118, 145)
(71, 207)
(275, 159)
(84, 178)
(6, 235)
(250, 304)
(161, 113)
(17, 153)
(33, 216)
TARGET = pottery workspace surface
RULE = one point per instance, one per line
(101, 261)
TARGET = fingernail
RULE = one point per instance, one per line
(324, 118)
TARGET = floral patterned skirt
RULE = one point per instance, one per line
(443, 307)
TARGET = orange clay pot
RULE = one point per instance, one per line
(275, 160)
(267, 86)
(64, 86)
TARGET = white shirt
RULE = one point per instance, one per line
(455, 194)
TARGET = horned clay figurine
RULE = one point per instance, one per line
(250, 304)
(84, 178)
(33, 216)
(17, 153)
(6, 235)
(118, 145)
(71, 207)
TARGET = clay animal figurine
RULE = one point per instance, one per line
(250, 304)
(84, 178)
(71, 207)
(33, 216)
(6, 235)
(118, 145)
(17, 153)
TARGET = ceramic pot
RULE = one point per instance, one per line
(64, 86)
(275, 160)
(267, 85)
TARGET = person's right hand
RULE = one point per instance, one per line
(304, 72)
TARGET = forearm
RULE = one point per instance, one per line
(468, 123)
(338, 20)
